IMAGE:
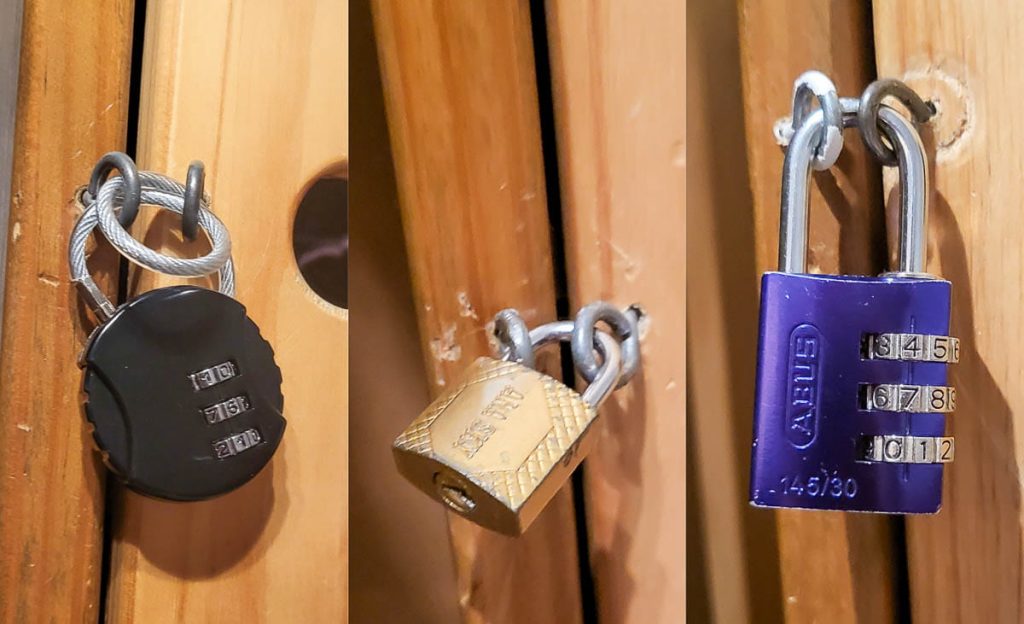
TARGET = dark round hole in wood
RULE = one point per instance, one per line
(320, 239)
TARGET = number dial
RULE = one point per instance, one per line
(899, 449)
(908, 398)
(183, 394)
(912, 347)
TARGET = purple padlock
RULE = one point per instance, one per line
(851, 395)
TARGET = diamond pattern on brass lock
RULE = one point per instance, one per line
(499, 445)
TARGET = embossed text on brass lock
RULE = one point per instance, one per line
(500, 444)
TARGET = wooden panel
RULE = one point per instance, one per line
(835, 567)
(619, 86)
(72, 107)
(259, 92)
(10, 59)
(462, 109)
(397, 534)
(740, 550)
(965, 562)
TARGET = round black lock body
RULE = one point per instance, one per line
(183, 394)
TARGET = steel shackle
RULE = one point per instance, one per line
(796, 174)
(608, 375)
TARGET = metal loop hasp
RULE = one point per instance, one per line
(829, 142)
(104, 209)
(517, 343)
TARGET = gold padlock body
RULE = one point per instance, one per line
(499, 445)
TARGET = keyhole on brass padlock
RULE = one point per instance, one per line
(454, 496)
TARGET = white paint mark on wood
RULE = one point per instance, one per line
(444, 349)
(630, 266)
(465, 307)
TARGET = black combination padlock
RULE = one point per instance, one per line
(181, 390)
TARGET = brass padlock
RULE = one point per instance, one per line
(500, 444)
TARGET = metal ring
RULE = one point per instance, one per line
(514, 337)
(867, 114)
(132, 186)
(99, 302)
(166, 193)
(195, 180)
(611, 369)
(814, 84)
(624, 327)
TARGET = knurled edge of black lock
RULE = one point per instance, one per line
(96, 436)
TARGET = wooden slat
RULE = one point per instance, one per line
(835, 567)
(10, 60)
(965, 562)
(259, 92)
(618, 73)
(397, 533)
(462, 109)
(72, 107)
(738, 542)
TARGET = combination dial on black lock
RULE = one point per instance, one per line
(183, 394)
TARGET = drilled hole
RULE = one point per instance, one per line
(320, 239)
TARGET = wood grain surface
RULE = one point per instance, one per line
(834, 567)
(618, 76)
(733, 551)
(259, 92)
(397, 533)
(72, 107)
(462, 109)
(965, 562)
(10, 61)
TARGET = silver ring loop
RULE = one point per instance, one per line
(194, 199)
(99, 302)
(123, 164)
(166, 193)
(829, 144)
(610, 370)
(868, 119)
(624, 327)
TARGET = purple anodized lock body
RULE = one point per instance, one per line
(810, 428)
(851, 396)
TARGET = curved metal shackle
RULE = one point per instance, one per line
(606, 346)
(913, 166)
(796, 175)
